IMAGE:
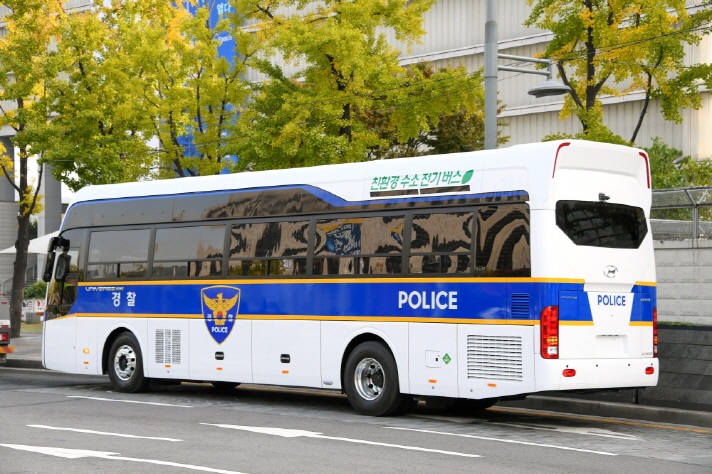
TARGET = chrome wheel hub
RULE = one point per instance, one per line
(369, 379)
(125, 362)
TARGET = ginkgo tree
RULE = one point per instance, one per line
(28, 66)
(328, 67)
(617, 47)
(146, 94)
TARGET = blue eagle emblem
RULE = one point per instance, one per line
(220, 306)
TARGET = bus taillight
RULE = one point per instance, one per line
(655, 332)
(549, 325)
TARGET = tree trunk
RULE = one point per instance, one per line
(27, 206)
(18, 274)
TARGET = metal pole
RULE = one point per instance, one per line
(491, 76)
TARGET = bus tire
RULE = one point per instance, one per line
(371, 380)
(224, 386)
(125, 365)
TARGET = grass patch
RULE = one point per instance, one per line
(34, 328)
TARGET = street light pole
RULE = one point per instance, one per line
(491, 76)
(547, 88)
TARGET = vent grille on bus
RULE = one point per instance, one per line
(494, 358)
(168, 346)
(519, 306)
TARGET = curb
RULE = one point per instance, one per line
(614, 410)
(22, 364)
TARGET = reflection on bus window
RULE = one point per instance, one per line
(258, 249)
(359, 246)
(441, 243)
(503, 241)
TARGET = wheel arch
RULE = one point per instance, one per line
(109, 340)
(359, 339)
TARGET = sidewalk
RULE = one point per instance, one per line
(28, 355)
(28, 352)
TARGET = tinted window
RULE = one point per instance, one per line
(358, 246)
(359, 236)
(503, 241)
(269, 239)
(441, 243)
(442, 232)
(269, 248)
(600, 224)
(189, 243)
(119, 245)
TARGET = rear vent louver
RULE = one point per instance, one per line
(168, 346)
(494, 358)
(519, 306)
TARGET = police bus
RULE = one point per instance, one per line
(477, 275)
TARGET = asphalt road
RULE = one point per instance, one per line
(59, 423)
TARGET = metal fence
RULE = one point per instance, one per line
(682, 213)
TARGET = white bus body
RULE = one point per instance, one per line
(351, 276)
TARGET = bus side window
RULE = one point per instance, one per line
(441, 243)
(503, 241)
(118, 254)
(191, 251)
(359, 245)
(276, 248)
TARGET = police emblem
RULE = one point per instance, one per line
(220, 306)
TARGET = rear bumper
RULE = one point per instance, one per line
(596, 373)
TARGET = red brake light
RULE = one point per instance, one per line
(655, 332)
(549, 325)
(650, 370)
(569, 372)
(4, 337)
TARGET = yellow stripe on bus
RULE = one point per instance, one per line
(293, 317)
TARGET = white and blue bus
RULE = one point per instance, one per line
(476, 276)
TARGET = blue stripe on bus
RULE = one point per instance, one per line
(407, 299)
(644, 299)
(332, 199)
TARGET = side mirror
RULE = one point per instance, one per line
(49, 265)
(62, 267)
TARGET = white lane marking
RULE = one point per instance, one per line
(285, 433)
(485, 438)
(122, 435)
(130, 401)
(84, 453)
(572, 429)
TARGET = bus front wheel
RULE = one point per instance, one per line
(371, 380)
(125, 365)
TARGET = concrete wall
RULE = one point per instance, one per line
(685, 382)
(685, 369)
(684, 276)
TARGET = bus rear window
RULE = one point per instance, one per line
(600, 224)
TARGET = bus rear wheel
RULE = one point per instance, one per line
(371, 381)
(125, 365)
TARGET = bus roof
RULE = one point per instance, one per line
(532, 169)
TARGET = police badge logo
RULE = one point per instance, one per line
(220, 306)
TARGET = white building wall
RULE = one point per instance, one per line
(456, 37)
